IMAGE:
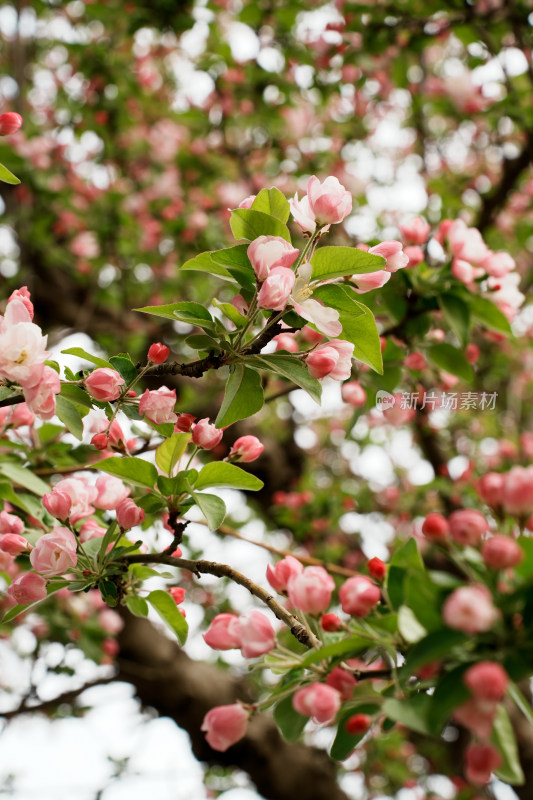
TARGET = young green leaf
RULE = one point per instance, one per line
(212, 507)
(219, 473)
(334, 262)
(457, 314)
(503, 738)
(169, 453)
(289, 367)
(193, 313)
(167, 609)
(289, 721)
(7, 177)
(134, 470)
(23, 477)
(124, 366)
(81, 353)
(273, 202)
(243, 396)
(451, 359)
(247, 223)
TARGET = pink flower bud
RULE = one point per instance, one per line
(328, 201)
(341, 680)
(104, 384)
(246, 449)
(54, 553)
(310, 591)
(276, 289)
(100, 441)
(416, 230)
(10, 523)
(319, 701)
(111, 491)
(376, 568)
(225, 725)
(184, 422)
(158, 405)
(10, 122)
(490, 488)
(392, 252)
(472, 353)
(158, 353)
(415, 361)
(481, 761)
(470, 609)
(353, 393)
(501, 552)
(205, 434)
(435, 527)
(358, 723)
(358, 596)
(14, 544)
(371, 281)
(177, 594)
(29, 588)
(224, 632)
(498, 264)
(129, 514)
(467, 526)
(110, 621)
(268, 252)
(256, 634)
(486, 680)
(330, 623)
(415, 255)
(477, 716)
(278, 575)
(333, 359)
(517, 493)
(23, 294)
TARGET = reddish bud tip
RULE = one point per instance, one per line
(158, 353)
(10, 122)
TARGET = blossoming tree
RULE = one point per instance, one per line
(409, 334)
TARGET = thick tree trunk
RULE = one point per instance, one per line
(166, 678)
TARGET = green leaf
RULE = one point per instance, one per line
(76, 394)
(231, 313)
(203, 262)
(193, 313)
(358, 323)
(167, 609)
(490, 315)
(247, 223)
(451, 359)
(6, 391)
(137, 605)
(457, 314)
(212, 507)
(434, 646)
(7, 177)
(289, 721)
(353, 645)
(424, 599)
(450, 693)
(503, 738)
(125, 367)
(218, 473)
(334, 262)
(111, 533)
(52, 587)
(344, 742)
(408, 556)
(134, 470)
(524, 705)
(273, 202)
(81, 353)
(413, 712)
(23, 476)
(69, 416)
(405, 558)
(243, 396)
(408, 625)
(291, 368)
(169, 453)
(231, 263)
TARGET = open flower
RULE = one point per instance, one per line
(326, 319)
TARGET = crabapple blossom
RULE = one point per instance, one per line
(158, 353)
(278, 575)
(205, 434)
(104, 384)
(58, 504)
(158, 405)
(392, 252)
(490, 488)
(129, 514)
(467, 526)
(517, 491)
(501, 552)
(326, 319)
(276, 289)
(477, 716)
(470, 609)
(353, 393)
(481, 761)
(10, 122)
(331, 623)
(268, 252)
(310, 591)
(358, 596)
(22, 345)
(111, 491)
(333, 360)
(246, 449)
(256, 634)
(40, 397)
(302, 214)
(225, 725)
(319, 701)
(10, 523)
(54, 553)
(377, 568)
(487, 680)
(358, 723)
(223, 632)
(342, 680)
(14, 543)
(371, 280)
(435, 526)
(329, 201)
(82, 496)
(28, 588)
(415, 230)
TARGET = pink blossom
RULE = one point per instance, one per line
(517, 492)
(81, 494)
(104, 384)
(481, 761)
(477, 716)
(10, 523)
(91, 530)
(23, 295)
(354, 394)
(498, 264)
(54, 553)
(158, 353)
(111, 491)
(268, 252)
(58, 504)
(85, 245)
(372, 280)
(326, 319)
(464, 271)
(29, 588)
(468, 526)
(490, 488)
(129, 514)
(256, 634)
(501, 552)
(41, 397)
(310, 591)
(205, 434)
(415, 255)
(319, 701)
(286, 341)
(487, 680)
(10, 122)
(328, 201)
(470, 609)
(184, 422)
(110, 621)
(276, 289)
(246, 449)
(343, 681)
(22, 345)
(302, 214)
(415, 230)
(333, 359)
(467, 243)
(392, 251)
(223, 632)
(240, 304)
(14, 543)
(247, 202)
(358, 596)
(158, 405)
(15, 416)
(225, 725)
(435, 526)
(278, 575)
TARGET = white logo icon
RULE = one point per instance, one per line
(384, 400)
